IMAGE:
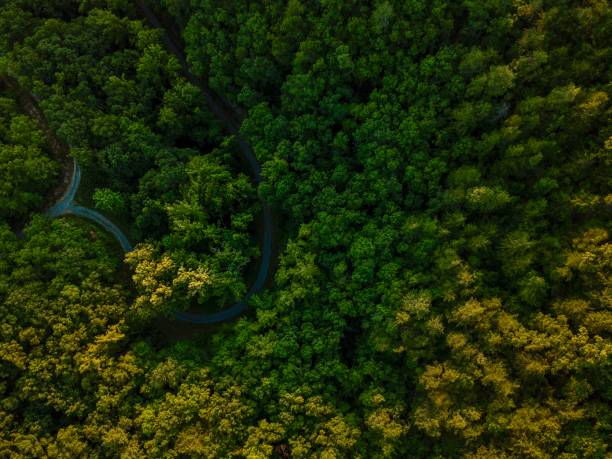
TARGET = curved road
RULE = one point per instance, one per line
(59, 208)
(66, 206)
(104, 222)
(228, 116)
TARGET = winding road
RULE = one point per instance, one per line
(231, 120)
(65, 205)
(65, 193)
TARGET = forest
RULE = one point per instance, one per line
(305, 229)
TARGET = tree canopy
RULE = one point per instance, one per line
(440, 178)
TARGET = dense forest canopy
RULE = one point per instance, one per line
(440, 178)
(26, 166)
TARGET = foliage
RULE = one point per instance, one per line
(26, 168)
(441, 173)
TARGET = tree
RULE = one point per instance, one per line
(108, 200)
(163, 285)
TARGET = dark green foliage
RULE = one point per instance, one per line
(428, 154)
(112, 92)
(26, 169)
(441, 172)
